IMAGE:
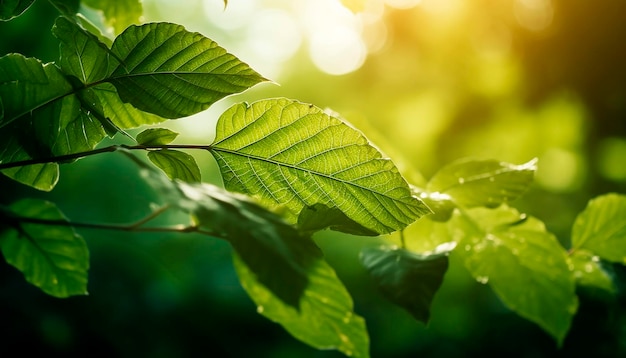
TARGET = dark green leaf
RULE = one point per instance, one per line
(325, 318)
(319, 217)
(156, 136)
(407, 279)
(174, 73)
(118, 14)
(272, 249)
(176, 164)
(601, 228)
(66, 7)
(53, 258)
(293, 154)
(42, 119)
(471, 183)
(588, 271)
(524, 264)
(13, 8)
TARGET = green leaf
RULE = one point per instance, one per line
(325, 318)
(405, 278)
(524, 264)
(42, 119)
(174, 73)
(588, 271)
(66, 7)
(123, 115)
(471, 183)
(119, 14)
(319, 217)
(601, 228)
(274, 250)
(293, 154)
(156, 136)
(53, 258)
(10, 9)
(82, 54)
(176, 164)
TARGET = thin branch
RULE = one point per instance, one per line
(112, 148)
(133, 227)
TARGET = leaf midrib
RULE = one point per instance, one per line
(309, 171)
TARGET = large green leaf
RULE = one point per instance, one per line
(42, 118)
(13, 8)
(325, 318)
(118, 14)
(601, 228)
(53, 258)
(173, 73)
(176, 164)
(524, 264)
(293, 154)
(471, 183)
(407, 279)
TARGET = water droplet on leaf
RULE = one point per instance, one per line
(482, 279)
(260, 309)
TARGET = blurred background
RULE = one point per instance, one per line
(428, 82)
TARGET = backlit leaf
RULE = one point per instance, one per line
(293, 154)
(53, 258)
(489, 183)
(325, 318)
(523, 263)
(588, 271)
(601, 228)
(156, 136)
(407, 279)
(176, 164)
(174, 73)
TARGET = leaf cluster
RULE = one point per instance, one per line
(290, 169)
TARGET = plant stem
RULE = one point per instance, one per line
(112, 148)
(133, 227)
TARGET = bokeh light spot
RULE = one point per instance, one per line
(612, 159)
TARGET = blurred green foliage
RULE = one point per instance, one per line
(460, 79)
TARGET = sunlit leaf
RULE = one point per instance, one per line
(423, 235)
(156, 136)
(53, 258)
(319, 217)
(588, 271)
(523, 263)
(13, 8)
(325, 318)
(482, 182)
(174, 73)
(601, 228)
(118, 14)
(176, 164)
(407, 279)
(293, 154)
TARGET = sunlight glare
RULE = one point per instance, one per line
(535, 15)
